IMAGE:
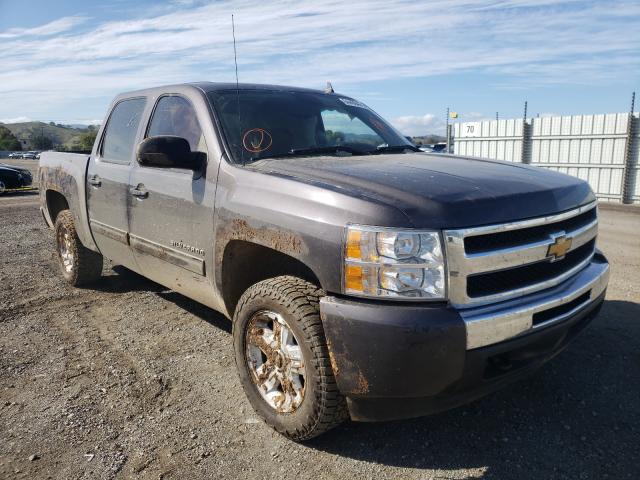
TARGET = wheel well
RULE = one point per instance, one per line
(55, 204)
(245, 264)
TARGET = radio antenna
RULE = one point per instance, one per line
(235, 59)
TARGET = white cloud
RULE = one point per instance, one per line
(57, 26)
(528, 42)
(15, 120)
(420, 124)
(95, 121)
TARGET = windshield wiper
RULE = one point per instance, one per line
(296, 152)
(329, 149)
(394, 148)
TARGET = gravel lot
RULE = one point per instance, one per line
(130, 380)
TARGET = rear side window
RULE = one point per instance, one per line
(120, 135)
(175, 116)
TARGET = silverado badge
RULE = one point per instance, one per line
(188, 248)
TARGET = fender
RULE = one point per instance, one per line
(58, 174)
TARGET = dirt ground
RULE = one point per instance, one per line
(130, 380)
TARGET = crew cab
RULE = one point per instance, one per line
(364, 278)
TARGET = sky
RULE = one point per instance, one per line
(64, 60)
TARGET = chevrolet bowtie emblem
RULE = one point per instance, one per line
(559, 248)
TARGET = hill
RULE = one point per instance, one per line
(428, 139)
(40, 135)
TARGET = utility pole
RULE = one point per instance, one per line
(630, 155)
(448, 133)
(447, 119)
(526, 138)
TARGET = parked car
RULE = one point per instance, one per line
(362, 279)
(13, 177)
(15, 155)
(426, 149)
(29, 155)
(438, 147)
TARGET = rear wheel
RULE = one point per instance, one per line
(78, 264)
(283, 360)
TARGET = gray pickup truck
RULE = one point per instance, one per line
(364, 278)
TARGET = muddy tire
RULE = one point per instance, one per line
(282, 358)
(79, 265)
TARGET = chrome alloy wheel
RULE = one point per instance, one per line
(275, 361)
(65, 249)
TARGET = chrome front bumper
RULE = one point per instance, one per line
(491, 324)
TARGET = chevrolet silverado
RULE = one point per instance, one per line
(364, 279)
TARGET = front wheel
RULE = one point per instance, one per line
(78, 264)
(283, 360)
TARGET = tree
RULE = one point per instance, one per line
(87, 139)
(41, 142)
(8, 140)
(334, 138)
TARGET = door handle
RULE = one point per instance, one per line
(95, 180)
(139, 192)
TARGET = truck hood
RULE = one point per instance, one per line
(440, 191)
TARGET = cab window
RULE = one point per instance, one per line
(175, 116)
(120, 134)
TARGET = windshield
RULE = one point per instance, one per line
(274, 123)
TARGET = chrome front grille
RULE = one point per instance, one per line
(498, 262)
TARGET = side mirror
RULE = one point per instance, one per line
(167, 151)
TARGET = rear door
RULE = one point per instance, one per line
(108, 181)
(171, 211)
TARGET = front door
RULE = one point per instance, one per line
(171, 209)
(108, 182)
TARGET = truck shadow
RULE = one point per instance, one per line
(578, 417)
(121, 280)
(213, 318)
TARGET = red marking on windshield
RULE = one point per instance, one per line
(256, 140)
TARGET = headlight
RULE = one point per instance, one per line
(401, 264)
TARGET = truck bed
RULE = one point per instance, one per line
(65, 174)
